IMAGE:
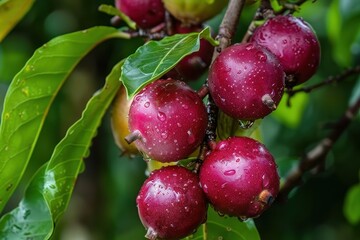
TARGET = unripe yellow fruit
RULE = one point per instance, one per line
(194, 11)
(119, 122)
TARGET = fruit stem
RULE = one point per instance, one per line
(266, 197)
(268, 101)
(203, 91)
(135, 135)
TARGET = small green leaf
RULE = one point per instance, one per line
(113, 11)
(352, 205)
(49, 192)
(30, 95)
(155, 58)
(11, 12)
(218, 227)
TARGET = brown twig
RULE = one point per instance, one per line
(317, 155)
(226, 32)
(330, 80)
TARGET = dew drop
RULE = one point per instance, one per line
(7, 115)
(284, 41)
(222, 145)
(265, 181)
(147, 104)
(191, 137)
(184, 106)
(261, 56)
(25, 91)
(164, 135)
(229, 172)
(161, 116)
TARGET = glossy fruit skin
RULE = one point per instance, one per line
(235, 174)
(171, 119)
(241, 76)
(191, 67)
(293, 42)
(146, 13)
(171, 203)
(194, 11)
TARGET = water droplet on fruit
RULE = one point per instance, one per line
(184, 106)
(191, 137)
(205, 188)
(222, 145)
(229, 172)
(147, 104)
(261, 56)
(161, 116)
(164, 135)
(265, 181)
(284, 41)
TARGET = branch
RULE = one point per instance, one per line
(330, 80)
(227, 30)
(317, 155)
(264, 11)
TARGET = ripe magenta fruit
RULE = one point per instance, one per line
(146, 13)
(194, 65)
(246, 81)
(239, 177)
(119, 122)
(169, 119)
(171, 203)
(194, 11)
(294, 43)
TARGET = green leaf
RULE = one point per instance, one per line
(218, 227)
(30, 95)
(49, 192)
(155, 58)
(113, 11)
(11, 12)
(352, 205)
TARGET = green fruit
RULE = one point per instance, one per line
(194, 11)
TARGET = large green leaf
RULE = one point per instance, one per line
(30, 95)
(155, 58)
(50, 190)
(218, 227)
(11, 12)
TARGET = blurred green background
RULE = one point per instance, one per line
(103, 204)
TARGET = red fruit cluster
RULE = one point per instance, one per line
(168, 121)
(247, 80)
